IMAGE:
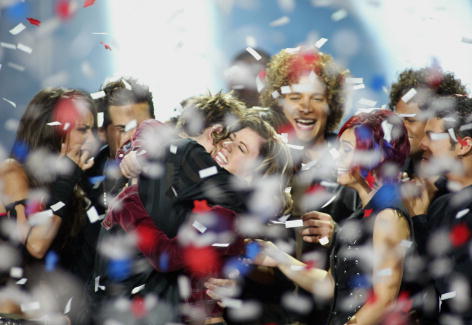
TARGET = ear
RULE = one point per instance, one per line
(464, 146)
(215, 128)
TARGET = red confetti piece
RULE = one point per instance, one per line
(461, 141)
(314, 189)
(370, 179)
(138, 307)
(201, 261)
(309, 265)
(372, 298)
(262, 74)
(200, 206)
(64, 9)
(405, 302)
(89, 3)
(106, 46)
(368, 212)
(459, 234)
(33, 21)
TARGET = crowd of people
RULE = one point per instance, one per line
(241, 214)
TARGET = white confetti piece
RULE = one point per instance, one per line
(197, 225)
(97, 284)
(466, 127)
(448, 295)
(30, 306)
(295, 147)
(324, 240)
(93, 214)
(275, 94)
(137, 289)
(452, 134)
(40, 217)
(466, 39)
(436, 136)
(98, 94)
(254, 53)
(24, 48)
(359, 86)
(328, 203)
(53, 123)
(385, 272)
(223, 245)
(99, 33)
(251, 41)
(173, 149)
(207, 172)
(354, 81)
(259, 84)
(294, 223)
(367, 102)
(296, 302)
(15, 66)
(16, 272)
(22, 281)
(406, 115)
(66, 126)
(100, 119)
(462, 213)
(131, 125)
(8, 45)
(17, 29)
(280, 21)
(127, 85)
(406, 243)
(322, 41)
(339, 15)
(285, 90)
(334, 153)
(232, 303)
(409, 95)
(184, 287)
(387, 130)
(68, 306)
(57, 206)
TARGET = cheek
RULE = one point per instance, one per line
(288, 109)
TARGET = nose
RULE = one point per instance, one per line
(424, 142)
(305, 107)
(228, 145)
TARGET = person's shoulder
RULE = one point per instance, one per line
(14, 179)
(12, 168)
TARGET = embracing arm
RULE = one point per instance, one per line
(390, 229)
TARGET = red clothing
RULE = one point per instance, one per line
(199, 262)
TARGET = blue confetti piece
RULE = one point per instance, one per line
(377, 83)
(252, 249)
(359, 281)
(50, 262)
(387, 196)
(236, 264)
(18, 11)
(20, 151)
(96, 179)
(119, 270)
(164, 262)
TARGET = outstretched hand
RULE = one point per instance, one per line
(317, 225)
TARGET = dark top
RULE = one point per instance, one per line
(351, 257)
(169, 200)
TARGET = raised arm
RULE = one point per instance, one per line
(390, 229)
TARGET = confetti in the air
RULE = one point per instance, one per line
(106, 46)
(68, 306)
(88, 3)
(8, 45)
(24, 48)
(34, 21)
(17, 29)
(339, 15)
(131, 125)
(207, 172)
(98, 94)
(9, 102)
(409, 95)
(322, 41)
(294, 223)
(280, 21)
(254, 53)
(93, 215)
(462, 213)
(197, 225)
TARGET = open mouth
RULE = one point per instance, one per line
(305, 124)
(220, 158)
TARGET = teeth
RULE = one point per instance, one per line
(222, 157)
(305, 121)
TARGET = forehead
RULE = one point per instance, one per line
(249, 137)
(309, 84)
(434, 124)
(407, 108)
(348, 136)
(128, 110)
(86, 118)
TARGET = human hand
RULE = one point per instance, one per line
(317, 225)
(130, 166)
(219, 289)
(81, 158)
(417, 195)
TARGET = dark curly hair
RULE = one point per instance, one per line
(287, 66)
(441, 84)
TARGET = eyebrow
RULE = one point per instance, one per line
(245, 146)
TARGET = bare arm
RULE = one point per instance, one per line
(390, 229)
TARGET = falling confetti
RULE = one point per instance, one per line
(280, 22)
(106, 46)
(17, 29)
(33, 21)
(89, 3)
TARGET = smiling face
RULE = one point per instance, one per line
(347, 176)
(306, 108)
(436, 143)
(239, 153)
(414, 126)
